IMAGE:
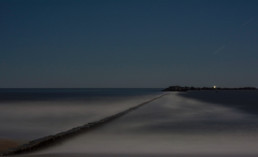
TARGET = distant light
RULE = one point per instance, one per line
(214, 87)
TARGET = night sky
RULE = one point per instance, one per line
(133, 43)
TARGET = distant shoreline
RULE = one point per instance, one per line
(186, 88)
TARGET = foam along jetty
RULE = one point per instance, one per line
(186, 88)
(54, 139)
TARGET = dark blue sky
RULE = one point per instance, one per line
(134, 43)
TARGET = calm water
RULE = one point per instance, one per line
(192, 124)
(26, 114)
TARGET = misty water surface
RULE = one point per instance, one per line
(171, 125)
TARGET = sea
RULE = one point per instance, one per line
(180, 124)
(28, 114)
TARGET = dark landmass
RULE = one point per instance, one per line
(186, 88)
